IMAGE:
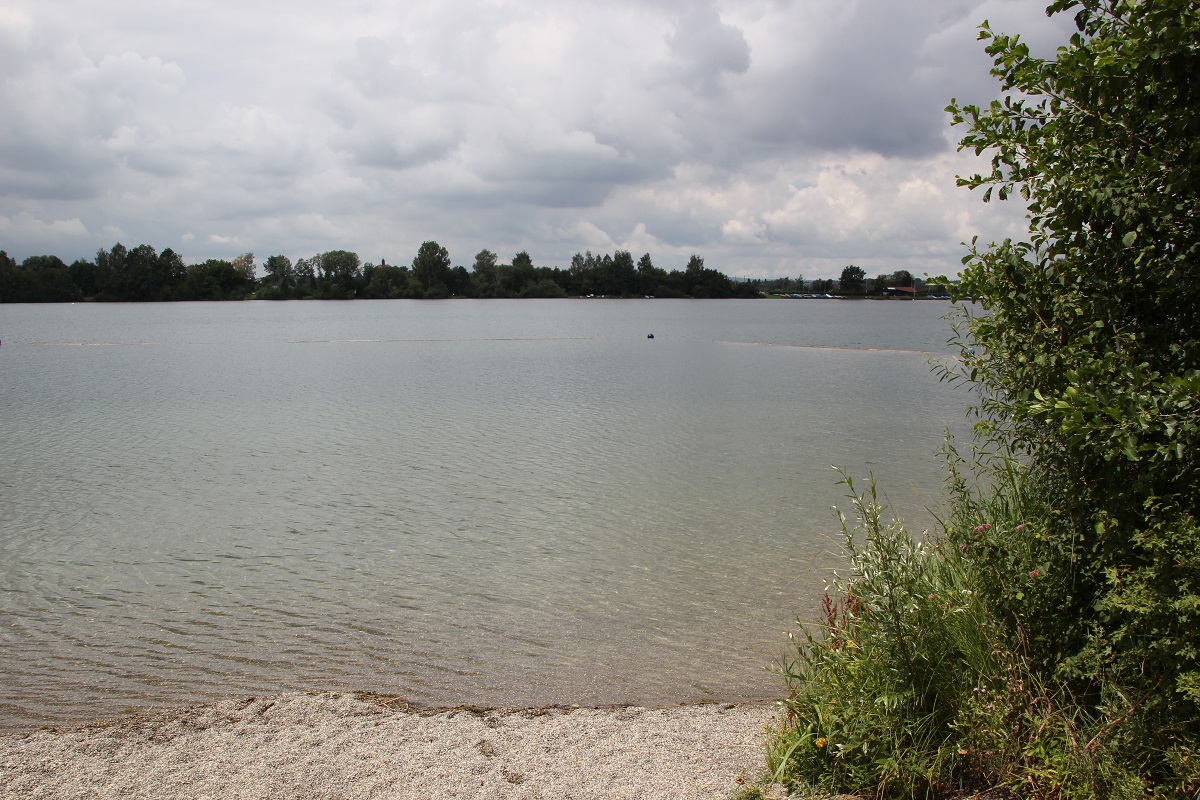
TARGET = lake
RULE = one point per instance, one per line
(491, 502)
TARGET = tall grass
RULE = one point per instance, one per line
(909, 685)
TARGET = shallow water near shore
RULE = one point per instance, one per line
(489, 502)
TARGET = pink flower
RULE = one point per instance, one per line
(1033, 573)
(1020, 527)
(983, 527)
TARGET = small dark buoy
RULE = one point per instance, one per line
(649, 335)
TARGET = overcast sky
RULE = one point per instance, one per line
(772, 137)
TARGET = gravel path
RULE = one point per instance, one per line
(339, 747)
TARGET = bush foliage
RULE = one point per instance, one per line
(1073, 521)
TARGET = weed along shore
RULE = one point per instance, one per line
(351, 746)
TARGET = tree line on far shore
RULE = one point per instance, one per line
(854, 282)
(143, 274)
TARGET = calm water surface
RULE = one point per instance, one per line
(492, 502)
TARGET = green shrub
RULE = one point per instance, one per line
(912, 685)
(1071, 535)
(874, 691)
(1085, 358)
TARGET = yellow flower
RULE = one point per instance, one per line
(850, 643)
(820, 742)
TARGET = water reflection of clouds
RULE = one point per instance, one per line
(836, 347)
(507, 502)
(456, 341)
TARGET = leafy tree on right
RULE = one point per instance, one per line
(1086, 358)
(1086, 361)
(1050, 642)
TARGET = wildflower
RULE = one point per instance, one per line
(851, 643)
(981, 528)
(821, 743)
(1020, 527)
(962, 547)
(1033, 573)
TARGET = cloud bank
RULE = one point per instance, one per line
(774, 137)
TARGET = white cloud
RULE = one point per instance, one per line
(15, 27)
(25, 227)
(773, 138)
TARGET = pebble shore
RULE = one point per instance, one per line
(346, 747)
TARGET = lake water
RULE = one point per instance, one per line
(491, 502)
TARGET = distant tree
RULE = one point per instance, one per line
(649, 277)
(902, 277)
(389, 283)
(137, 280)
(43, 263)
(110, 268)
(700, 281)
(602, 275)
(170, 274)
(8, 279)
(39, 279)
(215, 279)
(83, 275)
(458, 282)
(339, 273)
(544, 287)
(746, 289)
(245, 262)
(519, 274)
(585, 273)
(431, 266)
(853, 280)
(280, 273)
(484, 276)
(623, 278)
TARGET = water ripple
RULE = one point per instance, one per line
(493, 503)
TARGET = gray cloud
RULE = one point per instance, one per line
(704, 49)
(774, 137)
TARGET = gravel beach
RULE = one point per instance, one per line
(344, 747)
